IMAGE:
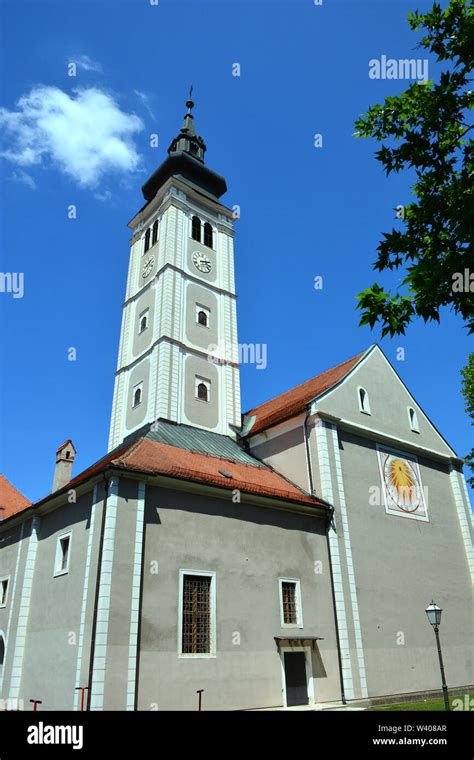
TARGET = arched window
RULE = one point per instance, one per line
(202, 392)
(2, 651)
(137, 397)
(154, 236)
(147, 239)
(143, 323)
(196, 228)
(413, 420)
(364, 405)
(202, 318)
(208, 235)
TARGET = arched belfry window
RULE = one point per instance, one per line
(208, 235)
(137, 397)
(202, 318)
(202, 392)
(363, 396)
(154, 236)
(147, 239)
(196, 228)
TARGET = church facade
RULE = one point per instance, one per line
(259, 561)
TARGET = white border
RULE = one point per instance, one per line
(411, 457)
(135, 600)
(12, 602)
(57, 559)
(366, 399)
(415, 425)
(103, 606)
(22, 622)
(7, 579)
(299, 606)
(327, 493)
(200, 655)
(85, 592)
(346, 536)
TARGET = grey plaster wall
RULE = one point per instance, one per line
(143, 340)
(388, 404)
(287, 454)
(249, 548)
(205, 413)
(50, 659)
(13, 547)
(139, 374)
(198, 334)
(118, 639)
(400, 566)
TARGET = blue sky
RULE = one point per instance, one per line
(305, 211)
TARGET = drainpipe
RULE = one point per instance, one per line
(328, 528)
(97, 586)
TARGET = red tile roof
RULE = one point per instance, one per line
(294, 401)
(154, 458)
(161, 459)
(11, 500)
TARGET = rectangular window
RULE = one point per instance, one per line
(290, 602)
(3, 591)
(63, 552)
(197, 614)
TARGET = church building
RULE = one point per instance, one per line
(281, 557)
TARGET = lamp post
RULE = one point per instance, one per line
(433, 613)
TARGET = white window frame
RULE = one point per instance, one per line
(414, 425)
(138, 386)
(2, 581)
(57, 560)
(299, 605)
(144, 313)
(367, 402)
(213, 643)
(207, 311)
(207, 383)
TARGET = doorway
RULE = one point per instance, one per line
(295, 678)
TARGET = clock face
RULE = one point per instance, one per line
(148, 266)
(202, 262)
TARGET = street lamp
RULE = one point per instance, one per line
(433, 613)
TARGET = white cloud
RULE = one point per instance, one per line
(106, 195)
(24, 178)
(86, 63)
(85, 135)
(145, 100)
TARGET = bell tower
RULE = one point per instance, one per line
(178, 356)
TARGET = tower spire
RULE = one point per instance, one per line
(188, 141)
(186, 160)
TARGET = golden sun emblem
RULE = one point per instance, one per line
(400, 477)
(402, 484)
